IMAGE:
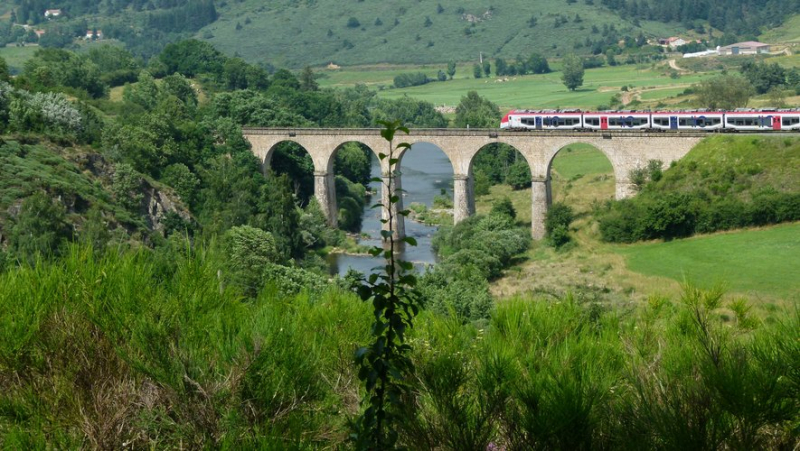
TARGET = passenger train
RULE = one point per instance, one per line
(749, 120)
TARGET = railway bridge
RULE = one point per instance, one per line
(625, 150)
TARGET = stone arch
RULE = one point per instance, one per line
(510, 151)
(328, 178)
(269, 163)
(587, 180)
(418, 151)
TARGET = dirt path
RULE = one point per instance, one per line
(675, 66)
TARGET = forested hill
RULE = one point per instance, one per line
(295, 33)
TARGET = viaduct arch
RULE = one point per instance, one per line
(625, 150)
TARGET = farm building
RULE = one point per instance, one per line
(744, 48)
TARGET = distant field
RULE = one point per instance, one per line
(16, 56)
(749, 262)
(529, 91)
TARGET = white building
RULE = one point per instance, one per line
(745, 48)
(50, 13)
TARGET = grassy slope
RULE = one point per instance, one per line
(298, 35)
(75, 175)
(545, 91)
(16, 56)
(759, 263)
(753, 262)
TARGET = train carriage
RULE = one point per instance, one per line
(617, 120)
(762, 120)
(688, 120)
(789, 120)
(542, 120)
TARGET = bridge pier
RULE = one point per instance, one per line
(325, 192)
(398, 222)
(539, 202)
(461, 198)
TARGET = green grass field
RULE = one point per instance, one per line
(759, 263)
(749, 262)
(16, 56)
(529, 91)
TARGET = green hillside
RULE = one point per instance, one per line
(319, 32)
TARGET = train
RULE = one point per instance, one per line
(748, 120)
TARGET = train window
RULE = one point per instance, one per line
(664, 121)
(593, 121)
(682, 122)
(791, 121)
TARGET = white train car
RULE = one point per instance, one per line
(762, 120)
(616, 120)
(542, 120)
(688, 120)
(790, 119)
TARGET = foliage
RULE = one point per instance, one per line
(477, 112)
(38, 229)
(51, 68)
(273, 371)
(406, 80)
(192, 57)
(556, 223)
(519, 175)
(725, 92)
(706, 192)
(249, 250)
(572, 71)
(764, 76)
(384, 365)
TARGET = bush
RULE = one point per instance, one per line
(556, 223)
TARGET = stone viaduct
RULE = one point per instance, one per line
(625, 150)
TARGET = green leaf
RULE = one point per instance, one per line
(410, 240)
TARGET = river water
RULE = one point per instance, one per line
(425, 172)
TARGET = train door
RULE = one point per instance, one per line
(673, 122)
(538, 122)
(603, 123)
(776, 122)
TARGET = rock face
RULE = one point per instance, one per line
(157, 206)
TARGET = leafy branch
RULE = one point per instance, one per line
(384, 364)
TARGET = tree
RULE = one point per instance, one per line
(451, 69)
(353, 23)
(249, 250)
(487, 68)
(307, 80)
(39, 227)
(477, 71)
(572, 71)
(537, 64)
(500, 67)
(519, 175)
(476, 111)
(725, 92)
(4, 73)
(280, 216)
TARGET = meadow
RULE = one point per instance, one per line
(526, 91)
(757, 263)
(16, 56)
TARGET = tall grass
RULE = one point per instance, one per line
(115, 351)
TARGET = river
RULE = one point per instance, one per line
(425, 170)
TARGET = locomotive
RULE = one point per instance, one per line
(750, 120)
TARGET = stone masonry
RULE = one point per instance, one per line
(625, 150)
